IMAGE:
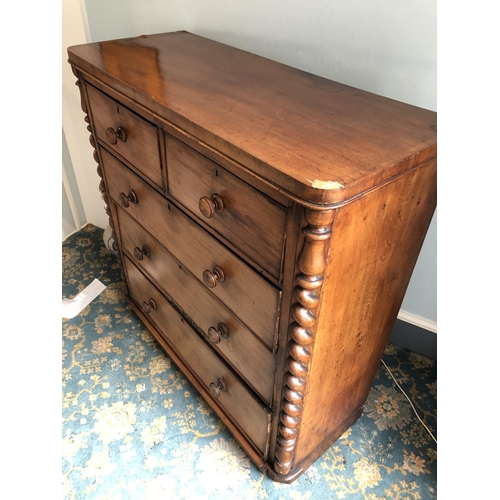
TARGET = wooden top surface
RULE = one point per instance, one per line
(318, 140)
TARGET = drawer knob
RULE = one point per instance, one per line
(140, 253)
(126, 198)
(147, 306)
(113, 136)
(215, 334)
(208, 206)
(217, 388)
(211, 278)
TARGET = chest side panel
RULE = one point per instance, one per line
(374, 247)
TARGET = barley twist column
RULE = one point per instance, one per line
(102, 187)
(311, 265)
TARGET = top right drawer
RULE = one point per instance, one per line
(244, 216)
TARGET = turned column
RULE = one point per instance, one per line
(311, 265)
(102, 187)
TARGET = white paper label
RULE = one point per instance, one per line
(73, 307)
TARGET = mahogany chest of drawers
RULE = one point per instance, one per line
(267, 221)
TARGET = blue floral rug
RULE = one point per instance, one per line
(135, 428)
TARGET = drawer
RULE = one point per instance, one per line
(241, 348)
(234, 397)
(248, 219)
(246, 293)
(128, 134)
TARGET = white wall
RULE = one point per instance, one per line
(73, 213)
(383, 46)
(80, 162)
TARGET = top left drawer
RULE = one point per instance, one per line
(126, 133)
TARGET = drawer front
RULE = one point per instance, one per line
(246, 412)
(136, 140)
(251, 221)
(247, 294)
(243, 350)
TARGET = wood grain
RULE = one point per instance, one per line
(251, 221)
(375, 244)
(255, 456)
(238, 402)
(141, 144)
(249, 296)
(102, 184)
(294, 129)
(269, 221)
(311, 265)
(242, 349)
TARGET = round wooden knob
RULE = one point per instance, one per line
(147, 306)
(209, 206)
(112, 136)
(217, 388)
(126, 198)
(121, 133)
(210, 278)
(215, 334)
(139, 253)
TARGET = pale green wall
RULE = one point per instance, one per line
(384, 46)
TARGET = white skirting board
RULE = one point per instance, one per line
(413, 319)
(416, 334)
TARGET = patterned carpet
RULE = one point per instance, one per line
(135, 428)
